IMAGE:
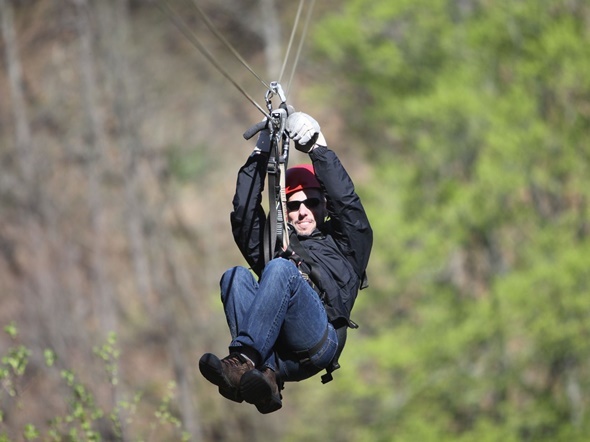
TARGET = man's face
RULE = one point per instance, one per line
(305, 209)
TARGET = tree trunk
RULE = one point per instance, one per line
(94, 166)
(15, 77)
(114, 24)
(44, 309)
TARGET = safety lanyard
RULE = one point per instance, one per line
(276, 233)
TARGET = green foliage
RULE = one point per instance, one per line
(11, 330)
(81, 421)
(164, 413)
(14, 363)
(78, 424)
(109, 354)
(30, 432)
(475, 116)
(49, 356)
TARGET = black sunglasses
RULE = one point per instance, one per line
(310, 203)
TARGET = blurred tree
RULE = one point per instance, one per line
(474, 114)
(115, 189)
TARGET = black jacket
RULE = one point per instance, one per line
(340, 248)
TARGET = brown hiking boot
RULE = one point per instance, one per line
(226, 373)
(261, 389)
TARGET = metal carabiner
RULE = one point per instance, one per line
(279, 120)
(275, 88)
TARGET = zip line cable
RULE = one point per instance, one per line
(182, 27)
(299, 9)
(227, 44)
(192, 37)
(301, 40)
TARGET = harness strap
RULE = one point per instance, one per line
(314, 273)
(270, 228)
(275, 229)
(334, 365)
(306, 355)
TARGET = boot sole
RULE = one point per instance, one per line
(254, 389)
(211, 369)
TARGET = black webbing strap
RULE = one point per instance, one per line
(306, 355)
(275, 229)
(270, 228)
(314, 273)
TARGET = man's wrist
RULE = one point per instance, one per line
(321, 141)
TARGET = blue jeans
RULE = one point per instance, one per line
(277, 317)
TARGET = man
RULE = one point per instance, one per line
(291, 323)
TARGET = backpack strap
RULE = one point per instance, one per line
(334, 365)
(314, 273)
(305, 356)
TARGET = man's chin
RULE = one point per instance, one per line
(303, 232)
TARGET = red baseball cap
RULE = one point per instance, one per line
(300, 177)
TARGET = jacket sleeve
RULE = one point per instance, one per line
(349, 222)
(248, 217)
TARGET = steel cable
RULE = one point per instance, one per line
(227, 44)
(301, 41)
(182, 27)
(291, 38)
(192, 37)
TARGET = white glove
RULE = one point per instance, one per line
(304, 130)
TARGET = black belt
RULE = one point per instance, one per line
(305, 355)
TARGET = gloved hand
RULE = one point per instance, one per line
(304, 130)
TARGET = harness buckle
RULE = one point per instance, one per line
(271, 167)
